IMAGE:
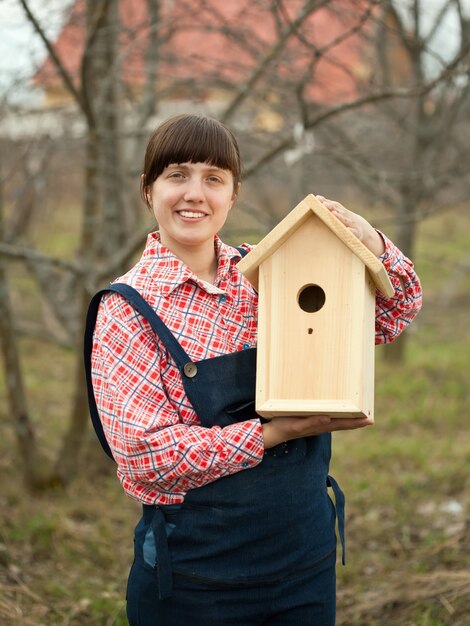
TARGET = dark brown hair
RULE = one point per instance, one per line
(190, 138)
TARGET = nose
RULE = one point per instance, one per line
(194, 190)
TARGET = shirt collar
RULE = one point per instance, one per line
(169, 272)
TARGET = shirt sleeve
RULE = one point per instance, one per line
(157, 452)
(393, 315)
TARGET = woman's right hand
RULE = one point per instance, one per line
(281, 429)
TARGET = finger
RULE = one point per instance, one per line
(351, 423)
(311, 421)
(329, 204)
(326, 201)
(304, 426)
(335, 207)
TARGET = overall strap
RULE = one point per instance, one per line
(138, 303)
(87, 350)
(158, 326)
(339, 506)
(141, 305)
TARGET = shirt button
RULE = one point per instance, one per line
(245, 464)
(246, 346)
(223, 298)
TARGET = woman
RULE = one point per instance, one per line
(237, 524)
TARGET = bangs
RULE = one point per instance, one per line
(201, 141)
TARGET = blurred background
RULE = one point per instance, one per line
(366, 102)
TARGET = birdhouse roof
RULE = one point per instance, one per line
(249, 265)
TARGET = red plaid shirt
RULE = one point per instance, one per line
(160, 447)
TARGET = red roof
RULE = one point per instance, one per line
(224, 41)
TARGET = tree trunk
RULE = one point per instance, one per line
(405, 239)
(33, 468)
(104, 78)
(67, 461)
(103, 228)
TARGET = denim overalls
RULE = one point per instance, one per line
(249, 528)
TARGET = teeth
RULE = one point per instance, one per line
(192, 214)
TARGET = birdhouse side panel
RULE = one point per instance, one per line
(367, 378)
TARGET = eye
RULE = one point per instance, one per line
(215, 179)
(176, 175)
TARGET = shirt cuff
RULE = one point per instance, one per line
(392, 256)
(245, 444)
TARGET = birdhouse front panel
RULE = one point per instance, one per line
(316, 327)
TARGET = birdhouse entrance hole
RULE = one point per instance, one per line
(311, 298)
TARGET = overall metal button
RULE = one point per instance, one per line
(190, 370)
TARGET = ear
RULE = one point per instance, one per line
(146, 192)
(236, 193)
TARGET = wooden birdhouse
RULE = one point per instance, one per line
(316, 327)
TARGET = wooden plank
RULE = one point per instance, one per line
(303, 407)
(374, 265)
(249, 265)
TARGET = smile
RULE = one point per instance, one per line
(191, 214)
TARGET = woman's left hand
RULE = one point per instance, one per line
(357, 224)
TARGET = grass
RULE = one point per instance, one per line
(65, 554)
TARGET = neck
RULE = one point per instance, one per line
(201, 260)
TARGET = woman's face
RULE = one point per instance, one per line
(191, 202)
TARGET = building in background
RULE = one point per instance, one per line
(205, 50)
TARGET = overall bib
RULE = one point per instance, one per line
(247, 530)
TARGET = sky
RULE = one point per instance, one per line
(21, 50)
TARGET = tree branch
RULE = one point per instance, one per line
(53, 54)
(272, 53)
(338, 109)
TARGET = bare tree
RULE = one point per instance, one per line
(269, 88)
(105, 243)
(411, 154)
